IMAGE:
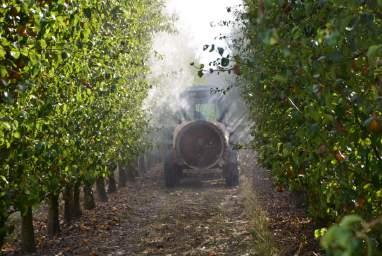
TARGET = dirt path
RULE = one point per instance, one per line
(200, 217)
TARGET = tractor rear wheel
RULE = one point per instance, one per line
(171, 175)
(231, 170)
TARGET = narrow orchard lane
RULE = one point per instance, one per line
(197, 218)
(200, 217)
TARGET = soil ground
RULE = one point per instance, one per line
(199, 217)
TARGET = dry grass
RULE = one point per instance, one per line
(264, 243)
(280, 222)
(264, 240)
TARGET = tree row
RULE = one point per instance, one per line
(72, 83)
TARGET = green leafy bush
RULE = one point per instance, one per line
(311, 72)
(72, 82)
(353, 236)
(312, 76)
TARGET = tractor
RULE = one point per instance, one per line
(201, 139)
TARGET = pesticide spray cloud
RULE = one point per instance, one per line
(171, 72)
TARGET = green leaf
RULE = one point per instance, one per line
(2, 52)
(221, 51)
(4, 179)
(280, 78)
(16, 135)
(225, 62)
(43, 44)
(373, 52)
(350, 221)
(6, 125)
(15, 53)
(270, 37)
(3, 71)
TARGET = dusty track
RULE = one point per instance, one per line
(199, 217)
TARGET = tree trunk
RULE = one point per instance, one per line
(261, 9)
(131, 173)
(101, 192)
(141, 164)
(148, 161)
(3, 229)
(76, 206)
(112, 183)
(27, 232)
(121, 176)
(89, 202)
(53, 216)
(68, 201)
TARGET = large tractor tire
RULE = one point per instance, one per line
(231, 170)
(171, 175)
